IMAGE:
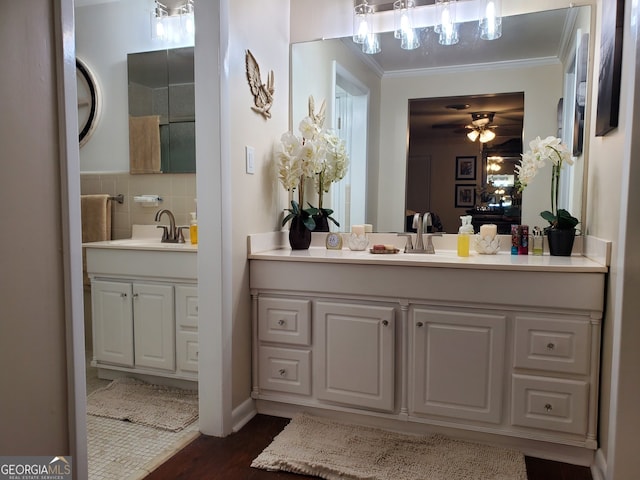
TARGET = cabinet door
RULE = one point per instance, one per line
(154, 326)
(457, 364)
(353, 354)
(187, 328)
(112, 323)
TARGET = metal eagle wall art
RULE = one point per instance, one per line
(262, 93)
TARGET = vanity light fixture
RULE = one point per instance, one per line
(491, 19)
(403, 22)
(446, 28)
(173, 21)
(363, 28)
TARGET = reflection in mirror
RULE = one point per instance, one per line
(535, 56)
(453, 142)
(161, 111)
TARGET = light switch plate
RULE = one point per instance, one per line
(249, 157)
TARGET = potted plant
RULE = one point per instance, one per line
(333, 168)
(298, 158)
(316, 154)
(562, 225)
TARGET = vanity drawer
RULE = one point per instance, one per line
(557, 345)
(285, 370)
(550, 404)
(284, 320)
(187, 306)
(187, 351)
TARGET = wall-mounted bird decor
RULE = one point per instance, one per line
(262, 93)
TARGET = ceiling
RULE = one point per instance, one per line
(534, 37)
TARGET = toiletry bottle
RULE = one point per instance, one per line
(193, 229)
(464, 236)
(523, 245)
(537, 241)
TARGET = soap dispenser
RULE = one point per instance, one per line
(193, 229)
(464, 235)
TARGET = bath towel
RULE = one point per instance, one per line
(96, 222)
(144, 144)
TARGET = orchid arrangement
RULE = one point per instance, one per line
(552, 150)
(318, 154)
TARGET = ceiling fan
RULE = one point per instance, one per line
(480, 128)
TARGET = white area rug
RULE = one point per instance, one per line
(333, 450)
(142, 403)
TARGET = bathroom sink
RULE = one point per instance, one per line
(144, 237)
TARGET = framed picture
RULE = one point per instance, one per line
(610, 66)
(465, 196)
(465, 168)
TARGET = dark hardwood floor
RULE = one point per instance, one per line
(229, 458)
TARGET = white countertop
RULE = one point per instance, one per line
(442, 259)
(272, 247)
(144, 237)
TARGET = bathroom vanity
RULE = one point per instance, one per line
(144, 303)
(498, 345)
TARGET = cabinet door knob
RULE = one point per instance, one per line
(548, 407)
(281, 322)
(385, 323)
(551, 346)
(419, 324)
(123, 295)
(135, 295)
(282, 372)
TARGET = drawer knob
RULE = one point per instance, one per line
(281, 322)
(419, 324)
(551, 346)
(385, 323)
(282, 372)
(548, 407)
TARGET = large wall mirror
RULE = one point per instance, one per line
(535, 58)
(161, 111)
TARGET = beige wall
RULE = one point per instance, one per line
(257, 202)
(33, 403)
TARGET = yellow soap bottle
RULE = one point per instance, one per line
(193, 229)
(463, 244)
(464, 236)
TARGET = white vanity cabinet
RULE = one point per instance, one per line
(457, 363)
(125, 311)
(144, 311)
(407, 341)
(354, 354)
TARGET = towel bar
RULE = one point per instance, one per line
(118, 198)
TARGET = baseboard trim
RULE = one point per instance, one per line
(599, 466)
(242, 414)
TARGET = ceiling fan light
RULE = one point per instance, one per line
(473, 135)
(486, 136)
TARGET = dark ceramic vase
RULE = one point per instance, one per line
(299, 234)
(561, 241)
(322, 223)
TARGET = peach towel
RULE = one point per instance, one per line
(144, 144)
(96, 223)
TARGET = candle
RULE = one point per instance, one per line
(488, 230)
(357, 229)
(368, 228)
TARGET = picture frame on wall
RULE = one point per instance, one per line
(465, 196)
(608, 108)
(466, 168)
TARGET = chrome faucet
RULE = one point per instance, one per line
(420, 247)
(171, 233)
